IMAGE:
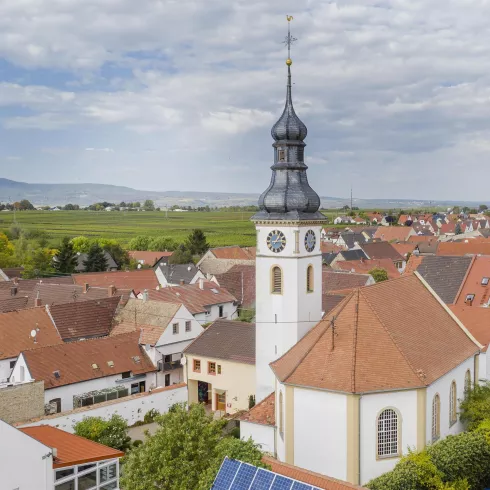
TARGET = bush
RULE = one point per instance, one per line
(466, 455)
(150, 416)
(235, 432)
(112, 432)
(475, 408)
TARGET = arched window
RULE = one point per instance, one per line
(452, 404)
(467, 383)
(281, 414)
(436, 418)
(276, 280)
(388, 433)
(309, 279)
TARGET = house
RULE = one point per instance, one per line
(375, 217)
(426, 229)
(78, 374)
(175, 274)
(464, 248)
(136, 280)
(166, 329)
(474, 289)
(405, 249)
(448, 228)
(350, 239)
(205, 300)
(146, 257)
(394, 233)
(82, 257)
(364, 424)
(364, 266)
(342, 282)
(405, 219)
(348, 255)
(240, 282)
(23, 330)
(221, 259)
(342, 219)
(384, 250)
(220, 366)
(427, 248)
(47, 458)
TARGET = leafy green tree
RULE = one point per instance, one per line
(140, 242)
(112, 432)
(475, 408)
(379, 274)
(96, 260)
(185, 452)
(482, 207)
(180, 256)
(81, 244)
(25, 205)
(66, 259)
(161, 243)
(457, 229)
(39, 263)
(149, 205)
(196, 242)
(6, 247)
(120, 256)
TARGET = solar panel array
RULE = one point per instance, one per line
(235, 475)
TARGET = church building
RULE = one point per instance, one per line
(345, 395)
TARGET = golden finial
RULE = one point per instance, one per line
(289, 40)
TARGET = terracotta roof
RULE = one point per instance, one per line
(240, 282)
(328, 247)
(15, 329)
(412, 264)
(421, 238)
(306, 476)
(70, 449)
(139, 279)
(149, 334)
(12, 304)
(147, 257)
(226, 339)
(464, 248)
(364, 266)
(444, 274)
(476, 320)
(234, 252)
(389, 233)
(330, 301)
(74, 360)
(474, 282)
(447, 228)
(381, 250)
(12, 272)
(404, 248)
(84, 319)
(263, 413)
(193, 297)
(428, 248)
(341, 280)
(155, 313)
(375, 327)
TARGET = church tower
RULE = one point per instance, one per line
(289, 259)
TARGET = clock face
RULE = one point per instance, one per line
(276, 241)
(310, 240)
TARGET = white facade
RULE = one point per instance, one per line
(263, 435)
(228, 310)
(283, 319)
(6, 369)
(25, 463)
(163, 280)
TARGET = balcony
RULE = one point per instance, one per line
(169, 366)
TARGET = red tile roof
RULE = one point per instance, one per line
(15, 329)
(328, 247)
(413, 263)
(306, 476)
(74, 360)
(476, 320)
(472, 284)
(70, 449)
(263, 413)
(364, 266)
(234, 252)
(447, 228)
(240, 282)
(389, 233)
(381, 250)
(137, 280)
(147, 257)
(464, 248)
(421, 238)
(375, 327)
(342, 280)
(404, 248)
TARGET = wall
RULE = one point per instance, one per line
(22, 402)
(263, 435)
(22, 466)
(442, 386)
(484, 368)
(320, 432)
(131, 408)
(237, 379)
(405, 402)
(5, 369)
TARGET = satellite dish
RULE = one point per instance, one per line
(183, 361)
(139, 266)
(33, 334)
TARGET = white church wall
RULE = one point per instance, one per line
(484, 368)
(405, 402)
(281, 436)
(442, 387)
(261, 434)
(320, 435)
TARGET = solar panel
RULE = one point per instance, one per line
(235, 475)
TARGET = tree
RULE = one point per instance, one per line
(96, 260)
(120, 256)
(482, 207)
(185, 453)
(39, 263)
(25, 205)
(475, 408)
(139, 242)
(149, 205)
(112, 432)
(457, 229)
(67, 259)
(379, 274)
(196, 243)
(81, 244)
(6, 247)
(180, 256)
(161, 243)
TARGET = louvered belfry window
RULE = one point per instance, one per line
(309, 279)
(276, 280)
(387, 433)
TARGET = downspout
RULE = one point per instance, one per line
(359, 443)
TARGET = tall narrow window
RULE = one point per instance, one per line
(467, 383)
(276, 280)
(309, 279)
(281, 157)
(281, 414)
(436, 418)
(452, 404)
(387, 433)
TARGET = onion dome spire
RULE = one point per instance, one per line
(289, 196)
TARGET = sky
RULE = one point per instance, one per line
(181, 94)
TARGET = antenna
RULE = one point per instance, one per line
(34, 334)
(351, 197)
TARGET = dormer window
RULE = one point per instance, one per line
(281, 157)
(484, 281)
(469, 299)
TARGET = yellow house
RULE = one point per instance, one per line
(219, 366)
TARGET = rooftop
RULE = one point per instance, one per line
(476, 282)
(381, 250)
(464, 248)
(70, 449)
(147, 257)
(364, 266)
(263, 413)
(176, 273)
(389, 233)
(234, 252)
(240, 282)
(137, 280)
(476, 320)
(341, 280)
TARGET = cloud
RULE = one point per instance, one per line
(104, 150)
(13, 158)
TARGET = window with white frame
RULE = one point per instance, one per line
(102, 475)
(436, 417)
(187, 326)
(175, 328)
(452, 404)
(387, 440)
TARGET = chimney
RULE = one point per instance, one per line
(145, 295)
(201, 283)
(85, 287)
(13, 290)
(182, 282)
(111, 291)
(37, 301)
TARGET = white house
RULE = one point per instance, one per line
(47, 458)
(175, 274)
(78, 374)
(166, 330)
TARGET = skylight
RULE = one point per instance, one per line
(484, 281)
(95, 366)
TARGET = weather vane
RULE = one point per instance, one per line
(288, 40)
